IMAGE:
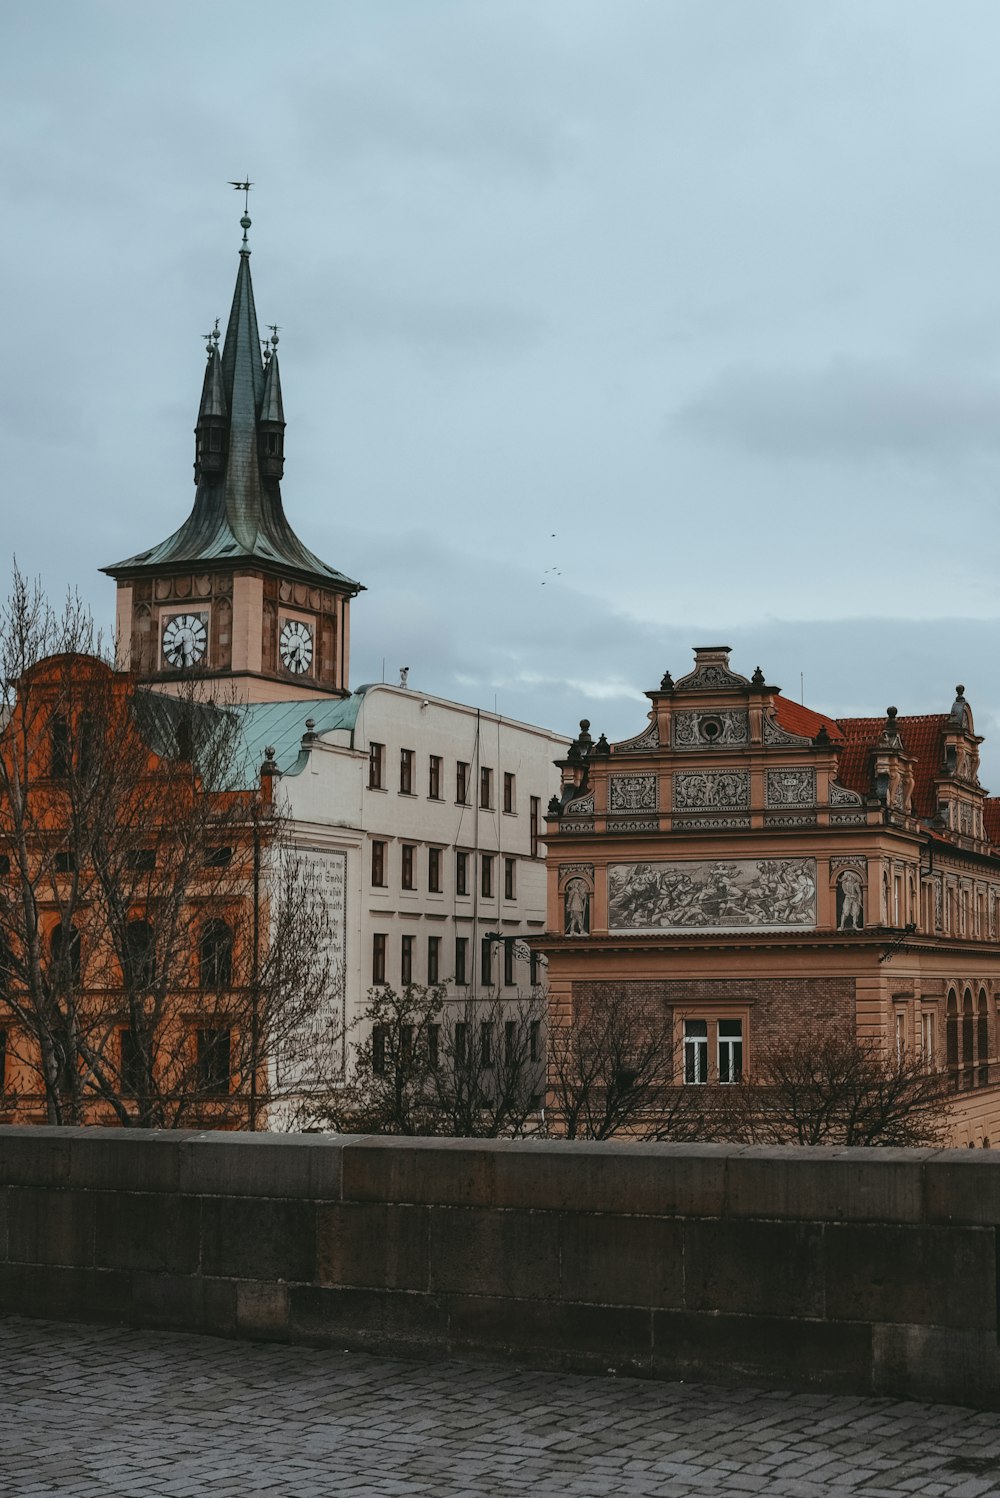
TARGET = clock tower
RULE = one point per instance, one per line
(234, 594)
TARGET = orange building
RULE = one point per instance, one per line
(126, 905)
(754, 870)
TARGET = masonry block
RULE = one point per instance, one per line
(608, 1335)
(447, 1172)
(50, 1226)
(380, 1320)
(769, 1351)
(373, 1244)
(126, 1159)
(866, 1185)
(936, 1276)
(756, 1268)
(943, 1364)
(659, 1180)
(262, 1309)
(63, 1293)
(35, 1155)
(256, 1238)
(625, 1261)
(147, 1230)
(184, 1302)
(494, 1253)
(962, 1186)
(273, 1165)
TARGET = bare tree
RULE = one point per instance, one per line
(835, 1089)
(154, 944)
(612, 1072)
(423, 1064)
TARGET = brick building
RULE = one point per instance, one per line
(752, 869)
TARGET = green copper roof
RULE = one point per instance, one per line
(238, 514)
(175, 728)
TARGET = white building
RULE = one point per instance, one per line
(422, 820)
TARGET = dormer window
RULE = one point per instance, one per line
(273, 444)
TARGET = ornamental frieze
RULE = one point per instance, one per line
(632, 793)
(710, 730)
(704, 788)
(764, 894)
(841, 796)
(633, 824)
(775, 734)
(791, 788)
(648, 739)
(583, 806)
(730, 822)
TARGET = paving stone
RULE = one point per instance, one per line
(98, 1410)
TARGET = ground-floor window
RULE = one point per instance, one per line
(730, 1050)
(695, 1051)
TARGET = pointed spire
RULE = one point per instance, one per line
(211, 430)
(271, 426)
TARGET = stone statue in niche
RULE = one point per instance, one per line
(577, 901)
(850, 901)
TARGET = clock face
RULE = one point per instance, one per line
(295, 645)
(184, 639)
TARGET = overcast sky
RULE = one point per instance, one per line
(695, 301)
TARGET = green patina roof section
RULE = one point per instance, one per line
(173, 727)
(238, 516)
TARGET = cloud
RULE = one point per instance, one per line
(851, 410)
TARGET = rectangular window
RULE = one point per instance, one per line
(378, 863)
(509, 878)
(433, 1045)
(461, 873)
(510, 1043)
(730, 1050)
(461, 1042)
(508, 792)
(406, 758)
(434, 870)
(462, 783)
(142, 861)
(535, 812)
(378, 957)
(486, 962)
(486, 789)
(900, 1034)
(486, 1043)
(130, 1063)
(409, 863)
(695, 1050)
(434, 777)
(487, 876)
(378, 1050)
(927, 1039)
(508, 961)
(65, 862)
(534, 1038)
(406, 960)
(406, 1045)
(434, 959)
(61, 760)
(461, 960)
(536, 969)
(376, 767)
(214, 1066)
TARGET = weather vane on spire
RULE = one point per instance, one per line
(244, 188)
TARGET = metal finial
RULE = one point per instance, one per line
(244, 188)
(215, 333)
(275, 330)
(265, 349)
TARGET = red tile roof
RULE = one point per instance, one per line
(795, 718)
(991, 818)
(922, 739)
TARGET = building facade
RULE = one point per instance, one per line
(754, 871)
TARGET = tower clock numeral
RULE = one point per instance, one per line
(295, 646)
(184, 639)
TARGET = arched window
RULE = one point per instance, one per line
(983, 1040)
(66, 954)
(61, 758)
(968, 1041)
(215, 954)
(139, 963)
(951, 1038)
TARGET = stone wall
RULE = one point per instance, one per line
(855, 1270)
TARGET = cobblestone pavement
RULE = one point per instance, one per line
(91, 1410)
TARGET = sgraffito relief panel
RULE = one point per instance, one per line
(710, 730)
(629, 793)
(721, 895)
(792, 787)
(320, 1038)
(694, 789)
